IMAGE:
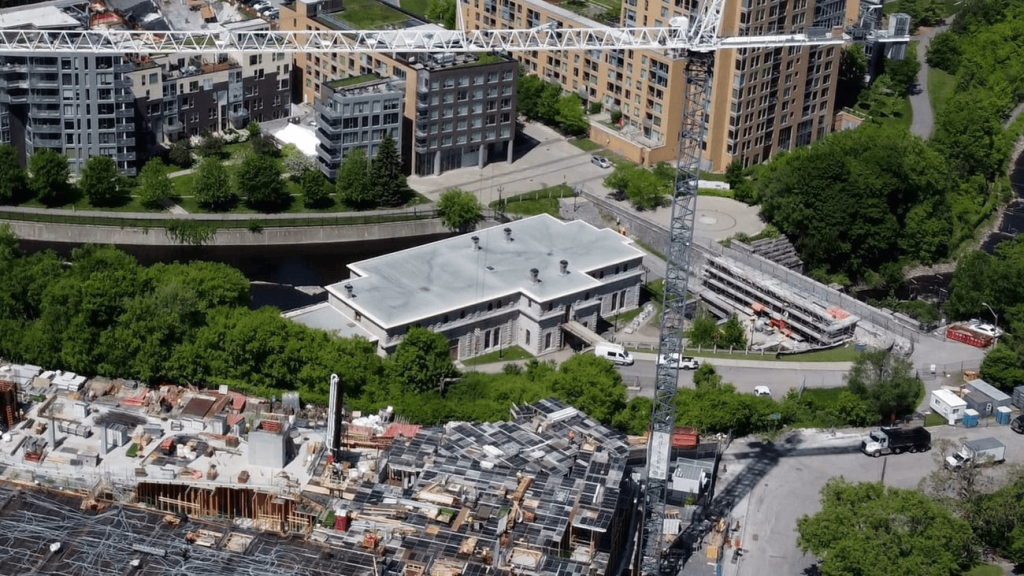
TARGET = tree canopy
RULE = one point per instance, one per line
(212, 185)
(316, 190)
(353, 181)
(259, 179)
(459, 210)
(386, 178)
(102, 183)
(155, 185)
(49, 177)
(421, 362)
(858, 199)
(885, 382)
(871, 530)
(13, 179)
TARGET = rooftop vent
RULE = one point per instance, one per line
(534, 275)
(476, 242)
(348, 289)
(563, 267)
(508, 234)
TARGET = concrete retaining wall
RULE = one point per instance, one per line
(84, 234)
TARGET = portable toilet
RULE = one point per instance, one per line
(1003, 415)
(970, 418)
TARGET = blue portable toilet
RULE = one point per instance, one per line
(1003, 415)
(970, 418)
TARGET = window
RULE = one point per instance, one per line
(547, 340)
(527, 337)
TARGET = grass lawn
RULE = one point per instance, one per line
(504, 355)
(985, 570)
(715, 192)
(369, 14)
(416, 6)
(940, 88)
(82, 204)
(624, 318)
(585, 144)
(648, 248)
(934, 419)
(543, 201)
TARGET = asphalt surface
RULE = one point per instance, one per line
(923, 122)
(780, 377)
(774, 485)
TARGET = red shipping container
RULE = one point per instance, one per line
(685, 437)
(341, 522)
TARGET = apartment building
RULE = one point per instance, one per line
(356, 112)
(179, 96)
(459, 109)
(763, 100)
(77, 104)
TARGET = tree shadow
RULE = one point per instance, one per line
(322, 204)
(272, 207)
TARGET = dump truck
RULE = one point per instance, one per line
(896, 440)
(978, 451)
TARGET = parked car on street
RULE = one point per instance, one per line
(601, 161)
(1017, 424)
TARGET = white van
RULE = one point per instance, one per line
(614, 352)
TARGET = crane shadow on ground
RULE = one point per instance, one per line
(761, 458)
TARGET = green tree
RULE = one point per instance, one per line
(102, 183)
(845, 202)
(547, 106)
(295, 162)
(969, 133)
(443, 12)
(259, 179)
(636, 418)
(570, 116)
(592, 385)
(353, 181)
(885, 382)
(1003, 367)
(316, 189)
(621, 177)
(212, 146)
(265, 146)
(459, 210)
(49, 177)
(944, 52)
(704, 331)
(13, 180)
(903, 73)
(733, 333)
(181, 155)
(529, 91)
(212, 185)
(867, 528)
(421, 361)
(646, 191)
(386, 177)
(254, 130)
(155, 185)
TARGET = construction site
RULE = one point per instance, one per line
(177, 480)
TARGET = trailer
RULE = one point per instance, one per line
(895, 441)
(979, 451)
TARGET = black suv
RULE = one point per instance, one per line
(1017, 425)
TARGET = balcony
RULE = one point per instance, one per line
(37, 112)
(11, 67)
(123, 82)
(126, 127)
(124, 96)
(126, 141)
(125, 157)
(421, 132)
(47, 141)
(45, 81)
(124, 113)
(422, 88)
(40, 65)
(124, 66)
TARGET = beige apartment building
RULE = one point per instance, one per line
(763, 100)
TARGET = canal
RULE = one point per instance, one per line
(285, 276)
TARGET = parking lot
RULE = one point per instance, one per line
(774, 484)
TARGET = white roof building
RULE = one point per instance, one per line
(516, 284)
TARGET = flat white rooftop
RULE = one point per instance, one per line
(323, 316)
(437, 278)
(37, 17)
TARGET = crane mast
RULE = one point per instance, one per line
(696, 39)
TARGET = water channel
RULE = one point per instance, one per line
(281, 275)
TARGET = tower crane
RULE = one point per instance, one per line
(695, 37)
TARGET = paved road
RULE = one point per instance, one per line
(780, 377)
(923, 122)
(775, 486)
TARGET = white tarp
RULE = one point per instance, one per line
(303, 138)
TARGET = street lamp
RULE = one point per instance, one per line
(996, 318)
